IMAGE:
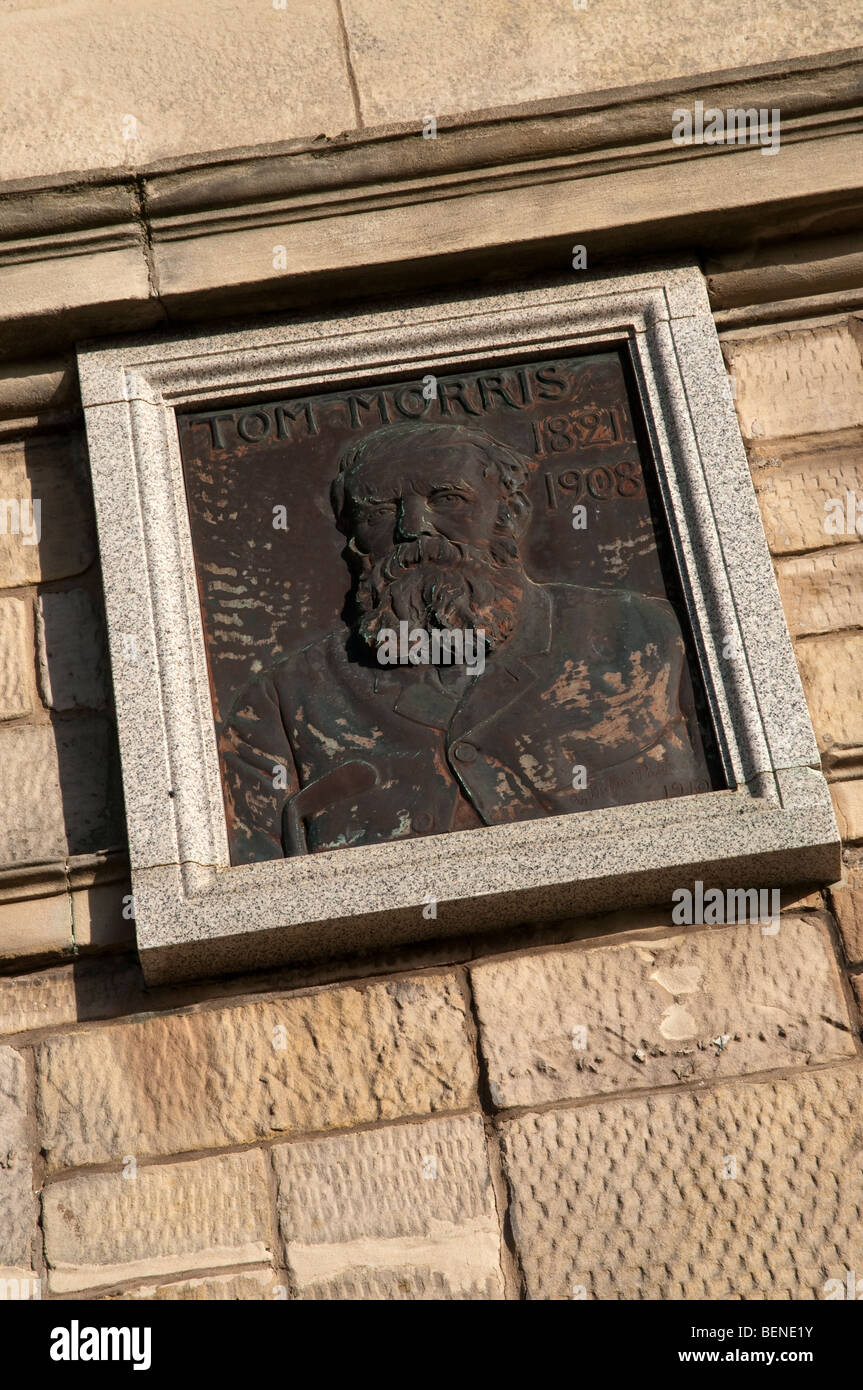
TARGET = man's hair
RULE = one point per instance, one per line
(511, 468)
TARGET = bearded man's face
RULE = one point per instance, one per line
(430, 546)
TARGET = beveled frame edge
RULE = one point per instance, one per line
(187, 895)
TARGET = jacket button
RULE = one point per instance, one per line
(422, 822)
(465, 752)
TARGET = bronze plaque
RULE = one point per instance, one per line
(436, 604)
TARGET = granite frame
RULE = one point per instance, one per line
(198, 915)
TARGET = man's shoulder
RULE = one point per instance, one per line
(324, 654)
(312, 666)
(607, 605)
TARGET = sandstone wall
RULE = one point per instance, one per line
(607, 1108)
(89, 85)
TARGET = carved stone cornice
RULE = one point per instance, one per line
(496, 194)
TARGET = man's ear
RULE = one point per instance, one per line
(514, 513)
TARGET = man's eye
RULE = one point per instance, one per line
(448, 497)
(374, 513)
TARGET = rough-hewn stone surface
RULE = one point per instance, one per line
(165, 79)
(169, 1218)
(48, 469)
(71, 651)
(830, 667)
(32, 826)
(565, 1024)
(797, 493)
(848, 805)
(802, 382)
(63, 790)
(17, 688)
(629, 1199)
(410, 58)
(823, 592)
(405, 1212)
(847, 902)
(254, 1284)
(82, 990)
(198, 1080)
(17, 1203)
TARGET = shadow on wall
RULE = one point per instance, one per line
(58, 741)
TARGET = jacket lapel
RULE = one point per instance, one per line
(502, 683)
(511, 675)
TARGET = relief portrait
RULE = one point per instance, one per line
(435, 604)
(580, 697)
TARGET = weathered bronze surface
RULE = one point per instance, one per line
(515, 502)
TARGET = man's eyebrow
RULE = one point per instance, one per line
(373, 501)
(447, 487)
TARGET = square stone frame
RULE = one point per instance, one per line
(195, 913)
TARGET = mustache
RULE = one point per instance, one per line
(500, 551)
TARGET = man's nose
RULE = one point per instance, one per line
(414, 519)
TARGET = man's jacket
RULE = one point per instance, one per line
(588, 704)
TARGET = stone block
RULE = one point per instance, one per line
(89, 768)
(73, 671)
(17, 689)
(830, 670)
(31, 388)
(17, 1203)
(806, 381)
(410, 59)
(405, 1212)
(46, 526)
(289, 1065)
(743, 1191)
(100, 987)
(797, 496)
(166, 79)
(252, 1284)
(824, 592)
(848, 805)
(35, 927)
(729, 1000)
(106, 1228)
(32, 823)
(847, 902)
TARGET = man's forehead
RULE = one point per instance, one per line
(415, 467)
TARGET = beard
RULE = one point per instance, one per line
(435, 583)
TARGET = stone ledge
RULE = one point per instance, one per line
(113, 252)
(79, 871)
